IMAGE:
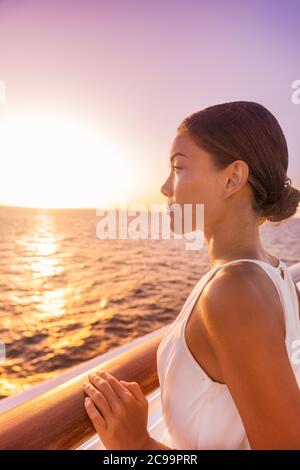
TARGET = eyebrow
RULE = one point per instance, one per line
(176, 154)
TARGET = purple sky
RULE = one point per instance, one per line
(137, 68)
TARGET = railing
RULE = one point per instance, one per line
(57, 419)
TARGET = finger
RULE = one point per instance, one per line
(104, 387)
(99, 400)
(135, 390)
(94, 415)
(115, 384)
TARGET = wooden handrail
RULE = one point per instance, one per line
(57, 419)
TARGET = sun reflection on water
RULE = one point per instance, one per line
(42, 250)
(53, 303)
(42, 245)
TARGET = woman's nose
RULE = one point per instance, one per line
(164, 190)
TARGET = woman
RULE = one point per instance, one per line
(226, 367)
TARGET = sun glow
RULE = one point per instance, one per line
(56, 161)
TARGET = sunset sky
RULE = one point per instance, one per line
(96, 89)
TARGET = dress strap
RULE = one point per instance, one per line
(279, 268)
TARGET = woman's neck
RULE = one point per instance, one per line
(230, 239)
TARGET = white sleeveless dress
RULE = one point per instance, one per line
(198, 412)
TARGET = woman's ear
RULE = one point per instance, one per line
(237, 175)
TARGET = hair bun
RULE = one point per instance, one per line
(284, 205)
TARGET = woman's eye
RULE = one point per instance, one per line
(176, 167)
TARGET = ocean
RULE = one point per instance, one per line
(67, 296)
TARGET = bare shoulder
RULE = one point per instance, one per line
(241, 299)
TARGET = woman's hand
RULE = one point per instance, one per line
(118, 411)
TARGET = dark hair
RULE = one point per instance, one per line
(244, 130)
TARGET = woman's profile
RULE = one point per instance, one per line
(226, 365)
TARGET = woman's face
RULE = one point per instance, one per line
(193, 179)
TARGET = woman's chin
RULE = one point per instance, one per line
(180, 229)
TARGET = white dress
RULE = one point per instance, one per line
(198, 412)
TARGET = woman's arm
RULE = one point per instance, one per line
(153, 444)
(243, 316)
